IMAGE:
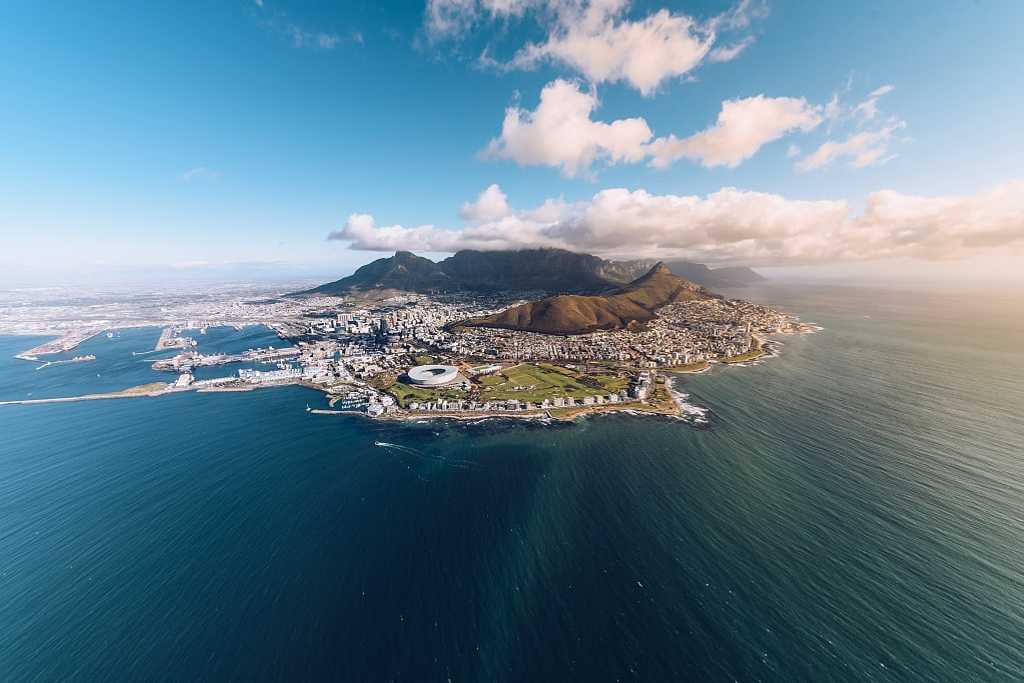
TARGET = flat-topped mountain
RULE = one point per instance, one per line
(549, 270)
(626, 307)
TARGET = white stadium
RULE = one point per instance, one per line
(433, 375)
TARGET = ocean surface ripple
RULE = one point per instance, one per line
(854, 512)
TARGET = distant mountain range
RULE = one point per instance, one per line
(554, 271)
(625, 307)
(731, 276)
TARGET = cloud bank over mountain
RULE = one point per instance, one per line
(730, 225)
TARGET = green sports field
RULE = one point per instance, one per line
(535, 382)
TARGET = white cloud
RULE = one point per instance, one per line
(867, 148)
(742, 128)
(727, 53)
(560, 133)
(733, 225)
(490, 205)
(598, 40)
(200, 173)
(362, 232)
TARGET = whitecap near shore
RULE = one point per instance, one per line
(692, 413)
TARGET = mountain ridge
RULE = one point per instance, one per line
(571, 314)
(549, 270)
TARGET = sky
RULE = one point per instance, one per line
(309, 138)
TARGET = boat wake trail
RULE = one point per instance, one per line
(397, 447)
(439, 460)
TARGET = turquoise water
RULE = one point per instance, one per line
(855, 512)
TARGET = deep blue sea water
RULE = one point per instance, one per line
(855, 512)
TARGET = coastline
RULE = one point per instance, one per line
(158, 389)
(62, 344)
(151, 390)
(665, 400)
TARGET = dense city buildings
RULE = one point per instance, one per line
(377, 354)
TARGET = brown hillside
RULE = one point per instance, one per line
(575, 314)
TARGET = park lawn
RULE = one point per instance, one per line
(613, 383)
(491, 380)
(425, 360)
(546, 381)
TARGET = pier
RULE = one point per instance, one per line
(170, 340)
(67, 342)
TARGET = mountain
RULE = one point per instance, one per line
(404, 270)
(628, 306)
(734, 276)
(549, 270)
(554, 271)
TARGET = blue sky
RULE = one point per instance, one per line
(212, 133)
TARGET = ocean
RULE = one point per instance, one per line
(854, 511)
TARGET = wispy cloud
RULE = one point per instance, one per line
(727, 53)
(869, 138)
(867, 148)
(303, 37)
(201, 173)
(868, 109)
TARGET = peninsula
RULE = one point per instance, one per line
(407, 337)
